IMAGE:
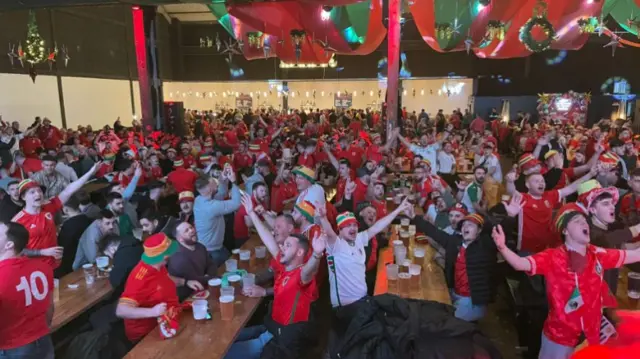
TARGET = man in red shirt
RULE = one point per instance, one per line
(576, 290)
(535, 230)
(49, 135)
(375, 151)
(187, 157)
(241, 158)
(38, 217)
(30, 145)
(149, 293)
(353, 153)
(26, 298)
(283, 190)
(242, 221)
(294, 291)
(25, 167)
(182, 179)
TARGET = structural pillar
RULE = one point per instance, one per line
(393, 63)
(144, 37)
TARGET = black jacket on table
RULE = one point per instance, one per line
(387, 326)
(480, 259)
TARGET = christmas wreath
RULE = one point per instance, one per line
(527, 39)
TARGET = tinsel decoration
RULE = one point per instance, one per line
(34, 51)
(588, 25)
(256, 39)
(297, 37)
(495, 30)
(444, 31)
(540, 20)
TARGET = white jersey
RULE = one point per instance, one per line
(347, 270)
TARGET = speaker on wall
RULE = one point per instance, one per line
(174, 118)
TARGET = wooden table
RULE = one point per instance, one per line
(74, 302)
(204, 338)
(433, 285)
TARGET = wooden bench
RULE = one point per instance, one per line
(433, 285)
(205, 338)
(74, 302)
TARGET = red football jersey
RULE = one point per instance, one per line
(26, 286)
(292, 299)
(42, 228)
(182, 179)
(145, 288)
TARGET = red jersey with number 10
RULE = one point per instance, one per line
(25, 296)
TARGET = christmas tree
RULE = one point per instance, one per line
(35, 52)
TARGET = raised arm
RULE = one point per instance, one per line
(309, 270)
(332, 158)
(321, 219)
(385, 221)
(74, 186)
(265, 234)
(573, 187)
(518, 263)
(131, 187)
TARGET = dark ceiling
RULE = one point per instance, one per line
(30, 4)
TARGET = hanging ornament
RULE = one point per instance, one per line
(12, 54)
(33, 73)
(539, 19)
(65, 55)
(255, 39)
(444, 31)
(455, 27)
(602, 25)
(413, 92)
(240, 45)
(34, 52)
(297, 37)
(634, 24)
(52, 57)
(325, 46)
(587, 97)
(614, 44)
(588, 25)
(544, 98)
(230, 50)
(218, 42)
(495, 30)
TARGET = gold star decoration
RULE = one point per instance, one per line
(544, 98)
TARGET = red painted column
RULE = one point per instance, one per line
(140, 42)
(393, 63)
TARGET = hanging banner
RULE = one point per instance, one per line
(344, 100)
(244, 102)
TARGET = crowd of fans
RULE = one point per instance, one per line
(169, 208)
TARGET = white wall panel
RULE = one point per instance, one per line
(427, 97)
(209, 95)
(21, 100)
(364, 93)
(96, 101)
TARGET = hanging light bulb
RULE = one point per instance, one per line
(307, 93)
(322, 93)
(371, 93)
(355, 93)
(422, 92)
(404, 93)
(338, 93)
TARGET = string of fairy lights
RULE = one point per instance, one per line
(447, 89)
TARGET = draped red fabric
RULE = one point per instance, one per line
(277, 19)
(332, 2)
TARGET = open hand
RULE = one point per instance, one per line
(498, 237)
(514, 207)
(247, 202)
(319, 243)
